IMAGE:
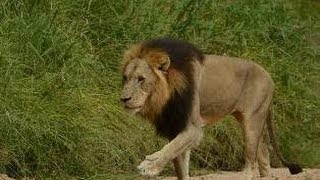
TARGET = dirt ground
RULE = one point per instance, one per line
(4, 177)
(278, 174)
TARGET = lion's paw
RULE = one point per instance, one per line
(152, 165)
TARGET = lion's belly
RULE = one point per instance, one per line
(220, 88)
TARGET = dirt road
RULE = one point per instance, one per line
(278, 174)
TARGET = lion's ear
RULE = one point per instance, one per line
(164, 65)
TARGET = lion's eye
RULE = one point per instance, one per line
(141, 79)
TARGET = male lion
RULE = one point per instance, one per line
(180, 90)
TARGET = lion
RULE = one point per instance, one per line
(181, 90)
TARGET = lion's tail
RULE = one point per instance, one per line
(293, 168)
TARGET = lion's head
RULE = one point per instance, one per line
(145, 88)
(158, 82)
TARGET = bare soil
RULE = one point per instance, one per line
(5, 177)
(277, 174)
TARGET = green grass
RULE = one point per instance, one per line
(59, 84)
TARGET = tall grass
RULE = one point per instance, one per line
(59, 110)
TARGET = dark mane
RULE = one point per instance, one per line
(174, 116)
(179, 51)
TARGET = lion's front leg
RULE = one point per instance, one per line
(181, 165)
(152, 165)
(184, 141)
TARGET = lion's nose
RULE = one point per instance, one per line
(125, 99)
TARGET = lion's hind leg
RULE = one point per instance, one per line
(263, 158)
(253, 126)
(252, 137)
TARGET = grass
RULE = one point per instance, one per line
(59, 84)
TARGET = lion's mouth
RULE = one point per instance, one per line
(132, 110)
(131, 107)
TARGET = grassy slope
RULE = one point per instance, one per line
(59, 113)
